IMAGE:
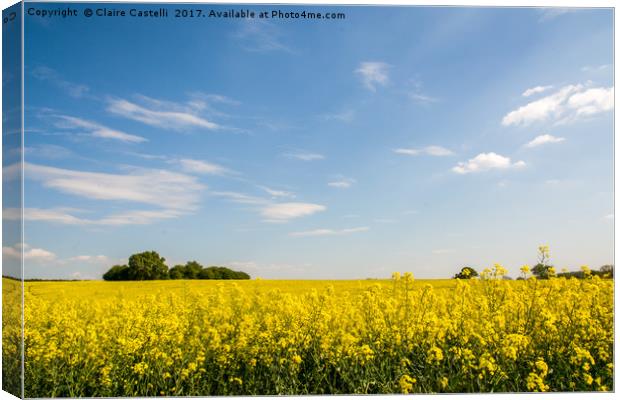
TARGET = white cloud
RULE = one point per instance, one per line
(204, 101)
(549, 13)
(485, 162)
(99, 259)
(161, 114)
(437, 151)
(72, 89)
(609, 216)
(342, 183)
(544, 139)
(58, 215)
(537, 89)
(138, 217)
(240, 198)
(568, 104)
(260, 36)
(97, 130)
(149, 186)
(66, 217)
(592, 101)
(282, 212)
(305, 156)
(373, 73)
(278, 193)
(30, 254)
(329, 232)
(271, 211)
(202, 167)
(422, 98)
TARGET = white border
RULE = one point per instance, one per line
(476, 3)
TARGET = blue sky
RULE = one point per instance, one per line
(400, 139)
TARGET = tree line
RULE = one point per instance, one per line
(544, 270)
(149, 265)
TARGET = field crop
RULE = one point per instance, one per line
(317, 337)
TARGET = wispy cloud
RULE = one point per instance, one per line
(96, 130)
(568, 104)
(329, 232)
(544, 139)
(161, 114)
(50, 75)
(415, 92)
(485, 162)
(206, 101)
(437, 151)
(595, 68)
(240, 198)
(282, 212)
(165, 189)
(261, 36)
(373, 74)
(201, 167)
(422, 98)
(54, 215)
(304, 156)
(537, 89)
(49, 151)
(67, 217)
(270, 210)
(278, 193)
(341, 182)
(97, 259)
(549, 13)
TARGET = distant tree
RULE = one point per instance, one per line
(607, 271)
(177, 272)
(466, 273)
(543, 270)
(147, 265)
(215, 272)
(192, 270)
(242, 275)
(117, 273)
(207, 273)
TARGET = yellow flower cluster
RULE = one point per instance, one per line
(263, 337)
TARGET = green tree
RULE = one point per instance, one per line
(207, 273)
(543, 269)
(117, 273)
(147, 265)
(192, 270)
(177, 272)
(466, 273)
(607, 271)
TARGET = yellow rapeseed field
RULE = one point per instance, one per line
(314, 337)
